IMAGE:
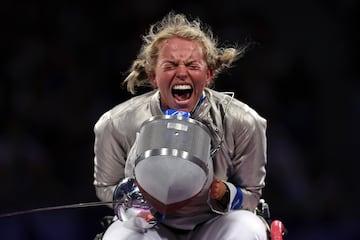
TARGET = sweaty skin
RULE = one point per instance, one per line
(218, 189)
(181, 74)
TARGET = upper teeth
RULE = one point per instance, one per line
(181, 87)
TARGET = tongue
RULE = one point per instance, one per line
(182, 97)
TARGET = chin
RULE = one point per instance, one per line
(185, 107)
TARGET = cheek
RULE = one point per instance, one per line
(203, 80)
(164, 79)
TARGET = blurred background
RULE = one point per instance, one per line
(62, 65)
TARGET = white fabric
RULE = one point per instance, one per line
(236, 130)
(235, 225)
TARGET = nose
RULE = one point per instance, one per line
(181, 72)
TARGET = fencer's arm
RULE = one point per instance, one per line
(109, 161)
(247, 178)
(224, 197)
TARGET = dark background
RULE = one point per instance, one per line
(62, 65)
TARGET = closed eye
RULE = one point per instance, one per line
(166, 66)
(193, 65)
(169, 66)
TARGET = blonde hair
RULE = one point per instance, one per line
(177, 25)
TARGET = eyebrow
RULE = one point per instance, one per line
(176, 62)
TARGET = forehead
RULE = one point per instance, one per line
(180, 46)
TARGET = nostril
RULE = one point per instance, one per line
(181, 76)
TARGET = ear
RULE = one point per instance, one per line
(153, 80)
(209, 76)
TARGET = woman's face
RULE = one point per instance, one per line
(181, 74)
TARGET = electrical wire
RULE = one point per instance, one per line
(76, 205)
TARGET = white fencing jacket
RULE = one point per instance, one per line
(238, 140)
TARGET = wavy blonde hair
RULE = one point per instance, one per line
(178, 25)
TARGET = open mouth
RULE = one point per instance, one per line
(181, 92)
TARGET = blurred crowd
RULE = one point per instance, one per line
(62, 67)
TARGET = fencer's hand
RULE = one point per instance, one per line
(218, 189)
